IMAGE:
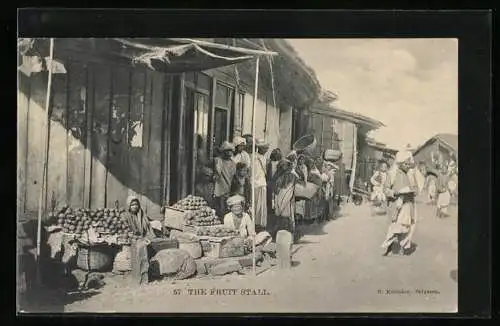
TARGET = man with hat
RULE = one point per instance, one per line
(260, 183)
(403, 184)
(241, 155)
(237, 219)
(225, 168)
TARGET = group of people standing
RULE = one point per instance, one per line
(442, 189)
(274, 181)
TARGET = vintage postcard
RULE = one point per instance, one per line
(195, 175)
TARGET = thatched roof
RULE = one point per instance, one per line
(363, 121)
(380, 146)
(295, 83)
(448, 140)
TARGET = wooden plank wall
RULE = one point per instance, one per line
(91, 161)
(118, 151)
(58, 159)
(285, 129)
(35, 134)
(137, 104)
(76, 134)
(99, 140)
(22, 140)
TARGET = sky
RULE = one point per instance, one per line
(411, 85)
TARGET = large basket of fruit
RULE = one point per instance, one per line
(104, 221)
(98, 258)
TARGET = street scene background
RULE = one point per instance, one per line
(142, 125)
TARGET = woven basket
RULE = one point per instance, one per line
(305, 144)
(99, 260)
(332, 155)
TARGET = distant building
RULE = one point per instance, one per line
(342, 130)
(439, 149)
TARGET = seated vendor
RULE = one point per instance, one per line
(147, 231)
(237, 219)
(139, 223)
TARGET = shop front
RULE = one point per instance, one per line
(126, 118)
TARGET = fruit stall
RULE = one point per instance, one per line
(190, 226)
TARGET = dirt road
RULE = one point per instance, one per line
(338, 267)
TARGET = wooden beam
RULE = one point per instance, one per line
(212, 117)
(225, 47)
(181, 138)
(89, 121)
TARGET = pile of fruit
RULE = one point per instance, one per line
(198, 211)
(218, 232)
(191, 203)
(104, 221)
(202, 217)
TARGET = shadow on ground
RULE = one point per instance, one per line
(412, 249)
(51, 300)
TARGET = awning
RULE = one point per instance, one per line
(164, 55)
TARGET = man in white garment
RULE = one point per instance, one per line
(240, 154)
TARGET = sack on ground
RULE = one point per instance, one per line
(122, 261)
(234, 247)
(173, 262)
(225, 268)
(263, 238)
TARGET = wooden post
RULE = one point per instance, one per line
(42, 205)
(89, 114)
(166, 139)
(255, 93)
(181, 148)
(354, 159)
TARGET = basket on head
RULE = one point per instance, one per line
(305, 144)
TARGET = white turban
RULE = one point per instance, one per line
(403, 156)
(239, 141)
(235, 200)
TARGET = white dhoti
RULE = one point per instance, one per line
(403, 228)
(261, 206)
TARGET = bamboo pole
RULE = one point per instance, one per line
(354, 161)
(41, 204)
(225, 47)
(255, 93)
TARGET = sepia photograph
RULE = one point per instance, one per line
(237, 175)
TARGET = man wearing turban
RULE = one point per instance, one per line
(404, 182)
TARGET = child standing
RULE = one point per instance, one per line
(443, 200)
(378, 181)
(241, 184)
